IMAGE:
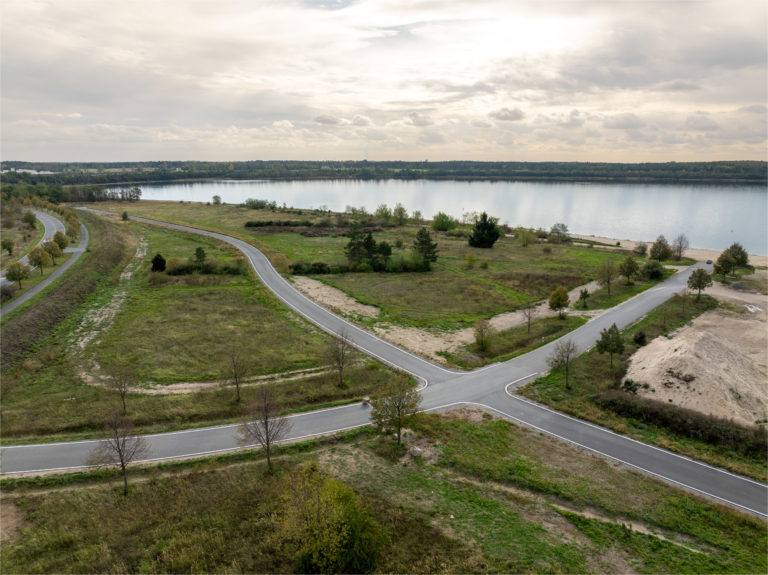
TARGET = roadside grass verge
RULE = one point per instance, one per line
(36, 277)
(24, 239)
(22, 330)
(490, 497)
(591, 376)
(509, 343)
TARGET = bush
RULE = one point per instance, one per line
(443, 222)
(750, 441)
(7, 291)
(653, 270)
(640, 338)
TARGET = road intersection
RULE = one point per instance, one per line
(489, 388)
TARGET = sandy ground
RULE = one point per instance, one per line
(424, 342)
(695, 253)
(716, 365)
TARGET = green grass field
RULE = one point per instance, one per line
(487, 497)
(469, 283)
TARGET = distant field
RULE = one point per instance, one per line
(458, 290)
(485, 497)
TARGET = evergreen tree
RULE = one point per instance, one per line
(610, 342)
(355, 248)
(485, 233)
(425, 248)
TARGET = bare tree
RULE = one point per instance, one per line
(395, 405)
(265, 426)
(237, 368)
(120, 447)
(339, 352)
(529, 312)
(606, 273)
(122, 377)
(679, 245)
(564, 352)
(483, 334)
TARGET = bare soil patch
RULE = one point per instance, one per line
(333, 298)
(716, 365)
(424, 342)
(11, 521)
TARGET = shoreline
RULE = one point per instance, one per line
(699, 254)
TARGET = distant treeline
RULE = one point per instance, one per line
(79, 173)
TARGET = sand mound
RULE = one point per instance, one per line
(716, 366)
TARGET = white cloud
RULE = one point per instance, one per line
(508, 115)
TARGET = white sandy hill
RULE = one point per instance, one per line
(716, 365)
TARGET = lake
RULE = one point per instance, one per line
(710, 216)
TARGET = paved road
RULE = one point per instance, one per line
(52, 225)
(489, 387)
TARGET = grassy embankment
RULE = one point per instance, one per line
(171, 329)
(458, 291)
(591, 378)
(487, 497)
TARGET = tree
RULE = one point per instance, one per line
(416, 217)
(122, 377)
(679, 245)
(660, 250)
(383, 213)
(339, 353)
(563, 353)
(395, 406)
(425, 248)
(199, 256)
(124, 216)
(384, 251)
(653, 270)
(583, 295)
(629, 268)
(725, 264)
(7, 245)
(525, 236)
(53, 250)
(17, 271)
(400, 214)
(369, 245)
(237, 368)
(483, 334)
(61, 240)
(641, 249)
(120, 447)
(325, 526)
(217, 200)
(558, 300)
(529, 311)
(158, 263)
(699, 280)
(29, 218)
(558, 234)
(739, 255)
(264, 426)
(355, 250)
(485, 232)
(443, 222)
(610, 342)
(38, 257)
(606, 273)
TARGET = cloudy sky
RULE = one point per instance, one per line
(137, 80)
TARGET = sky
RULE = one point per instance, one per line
(545, 80)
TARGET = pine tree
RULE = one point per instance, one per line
(485, 233)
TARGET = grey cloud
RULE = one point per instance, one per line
(481, 124)
(700, 122)
(327, 120)
(508, 115)
(431, 137)
(754, 109)
(360, 120)
(419, 119)
(627, 121)
(677, 86)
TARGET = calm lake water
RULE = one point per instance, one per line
(711, 216)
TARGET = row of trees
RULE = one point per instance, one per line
(43, 255)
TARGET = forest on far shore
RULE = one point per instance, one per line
(79, 173)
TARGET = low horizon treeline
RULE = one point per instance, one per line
(73, 173)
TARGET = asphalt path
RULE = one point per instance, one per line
(490, 388)
(51, 225)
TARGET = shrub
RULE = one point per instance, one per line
(640, 338)
(158, 263)
(443, 222)
(7, 291)
(653, 270)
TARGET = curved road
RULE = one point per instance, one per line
(489, 387)
(52, 225)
